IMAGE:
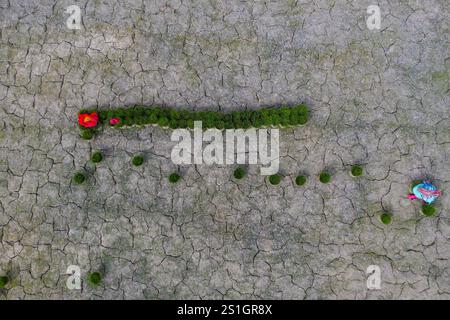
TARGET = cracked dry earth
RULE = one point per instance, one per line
(379, 98)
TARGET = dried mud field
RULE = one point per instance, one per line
(379, 98)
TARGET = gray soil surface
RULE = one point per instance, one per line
(379, 98)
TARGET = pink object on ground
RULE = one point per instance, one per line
(411, 196)
(430, 193)
(114, 121)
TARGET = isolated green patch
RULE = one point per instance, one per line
(356, 170)
(428, 210)
(79, 178)
(275, 179)
(174, 177)
(3, 281)
(386, 218)
(239, 173)
(137, 160)
(325, 177)
(300, 180)
(97, 157)
(95, 278)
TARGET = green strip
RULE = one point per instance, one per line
(174, 119)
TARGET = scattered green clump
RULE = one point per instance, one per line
(95, 278)
(3, 281)
(428, 210)
(87, 134)
(386, 218)
(174, 177)
(79, 178)
(239, 173)
(97, 157)
(138, 160)
(325, 177)
(300, 180)
(275, 179)
(356, 170)
(141, 115)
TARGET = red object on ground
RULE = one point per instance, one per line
(411, 196)
(88, 120)
(114, 121)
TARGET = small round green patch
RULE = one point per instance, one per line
(97, 157)
(3, 281)
(79, 178)
(325, 177)
(174, 177)
(428, 210)
(87, 134)
(95, 278)
(138, 160)
(300, 180)
(386, 218)
(357, 170)
(239, 173)
(275, 179)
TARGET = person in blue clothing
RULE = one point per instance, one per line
(424, 191)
